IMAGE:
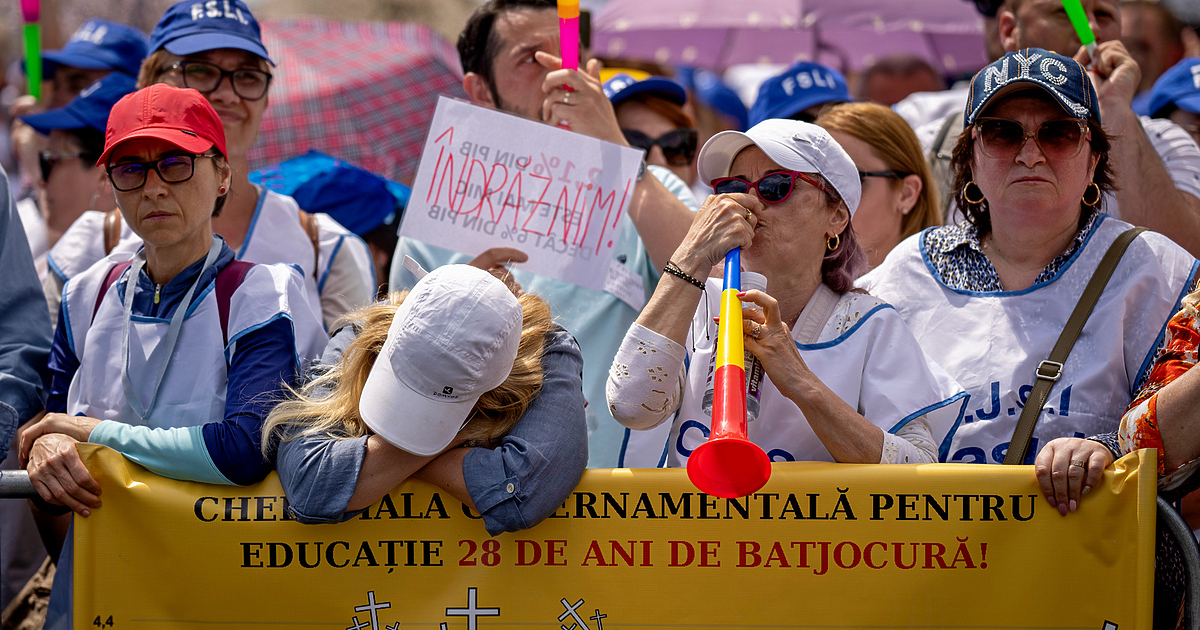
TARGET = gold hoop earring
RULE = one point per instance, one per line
(966, 191)
(833, 242)
(1091, 204)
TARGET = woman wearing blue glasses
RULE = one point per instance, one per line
(844, 378)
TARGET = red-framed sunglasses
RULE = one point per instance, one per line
(772, 187)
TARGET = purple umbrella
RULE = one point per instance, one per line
(845, 34)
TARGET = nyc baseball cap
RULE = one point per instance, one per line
(89, 109)
(454, 338)
(100, 45)
(624, 84)
(1033, 68)
(1179, 86)
(792, 144)
(801, 86)
(181, 116)
(191, 26)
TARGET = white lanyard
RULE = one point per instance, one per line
(172, 331)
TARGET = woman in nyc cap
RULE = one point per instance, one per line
(845, 380)
(173, 358)
(217, 49)
(458, 383)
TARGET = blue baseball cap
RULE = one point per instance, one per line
(191, 26)
(100, 45)
(1179, 86)
(799, 87)
(623, 84)
(89, 109)
(1060, 76)
(710, 90)
(358, 199)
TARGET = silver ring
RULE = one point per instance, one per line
(566, 98)
(756, 332)
(562, 122)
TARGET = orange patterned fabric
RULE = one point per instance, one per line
(1139, 425)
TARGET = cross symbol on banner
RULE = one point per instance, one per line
(471, 612)
(372, 607)
(354, 625)
(574, 615)
(597, 617)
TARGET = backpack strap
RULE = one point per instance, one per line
(939, 161)
(114, 272)
(112, 230)
(308, 223)
(1049, 371)
(228, 280)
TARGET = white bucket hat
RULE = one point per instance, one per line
(794, 145)
(454, 338)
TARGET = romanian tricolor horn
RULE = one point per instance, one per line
(729, 465)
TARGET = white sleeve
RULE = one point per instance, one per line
(645, 384)
(912, 444)
(1178, 152)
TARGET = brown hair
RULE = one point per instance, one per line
(893, 141)
(673, 113)
(841, 266)
(329, 404)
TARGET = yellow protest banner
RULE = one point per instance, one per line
(821, 546)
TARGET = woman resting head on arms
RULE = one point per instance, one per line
(784, 193)
(458, 383)
(988, 298)
(898, 195)
(171, 359)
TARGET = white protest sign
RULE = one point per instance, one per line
(491, 179)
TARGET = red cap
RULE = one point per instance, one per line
(181, 116)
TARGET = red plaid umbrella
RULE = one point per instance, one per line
(362, 91)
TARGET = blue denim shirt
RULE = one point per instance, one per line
(24, 326)
(514, 486)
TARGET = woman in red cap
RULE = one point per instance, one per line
(172, 358)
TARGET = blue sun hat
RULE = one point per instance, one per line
(189, 27)
(89, 109)
(100, 45)
(1179, 86)
(798, 88)
(621, 84)
(356, 198)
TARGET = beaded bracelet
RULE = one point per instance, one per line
(674, 270)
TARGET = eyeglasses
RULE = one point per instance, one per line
(772, 188)
(205, 78)
(678, 146)
(1003, 139)
(892, 174)
(47, 160)
(173, 169)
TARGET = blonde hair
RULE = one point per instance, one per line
(328, 405)
(153, 66)
(894, 142)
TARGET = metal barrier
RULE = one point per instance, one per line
(15, 484)
(1172, 521)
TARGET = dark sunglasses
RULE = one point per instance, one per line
(772, 187)
(205, 78)
(678, 146)
(47, 160)
(1003, 139)
(172, 169)
(892, 174)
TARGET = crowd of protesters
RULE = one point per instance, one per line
(917, 251)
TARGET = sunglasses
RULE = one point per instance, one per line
(205, 78)
(678, 146)
(173, 169)
(47, 160)
(771, 188)
(1002, 138)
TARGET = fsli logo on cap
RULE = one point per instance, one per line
(217, 9)
(92, 32)
(807, 79)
